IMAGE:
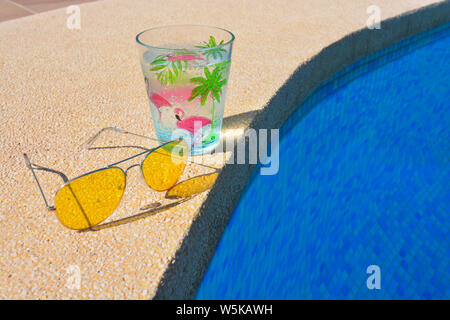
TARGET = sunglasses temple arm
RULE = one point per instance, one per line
(32, 167)
(129, 158)
(88, 143)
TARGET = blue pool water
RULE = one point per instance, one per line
(363, 180)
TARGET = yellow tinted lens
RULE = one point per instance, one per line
(163, 167)
(192, 186)
(90, 199)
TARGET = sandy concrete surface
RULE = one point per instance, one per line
(59, 86)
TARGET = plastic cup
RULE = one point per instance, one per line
(186, 69)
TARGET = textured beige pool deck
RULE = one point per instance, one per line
(60, 86)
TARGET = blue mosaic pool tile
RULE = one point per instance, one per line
(370, 179)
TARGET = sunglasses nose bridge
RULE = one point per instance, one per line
(141, 176)
(130, 167)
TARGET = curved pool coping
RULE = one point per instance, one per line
(182, 278)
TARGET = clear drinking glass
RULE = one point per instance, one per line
(186, 70)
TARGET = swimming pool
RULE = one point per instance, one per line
(363, 180)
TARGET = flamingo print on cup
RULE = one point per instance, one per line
(164, 107)
(186, 84)
(193, 129)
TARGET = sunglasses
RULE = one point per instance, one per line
(89, 199)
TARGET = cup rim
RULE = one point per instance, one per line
(183, 25)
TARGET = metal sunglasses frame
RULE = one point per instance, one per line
(87, 145)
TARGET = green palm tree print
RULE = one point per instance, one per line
(212, 48)
(211, 84)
